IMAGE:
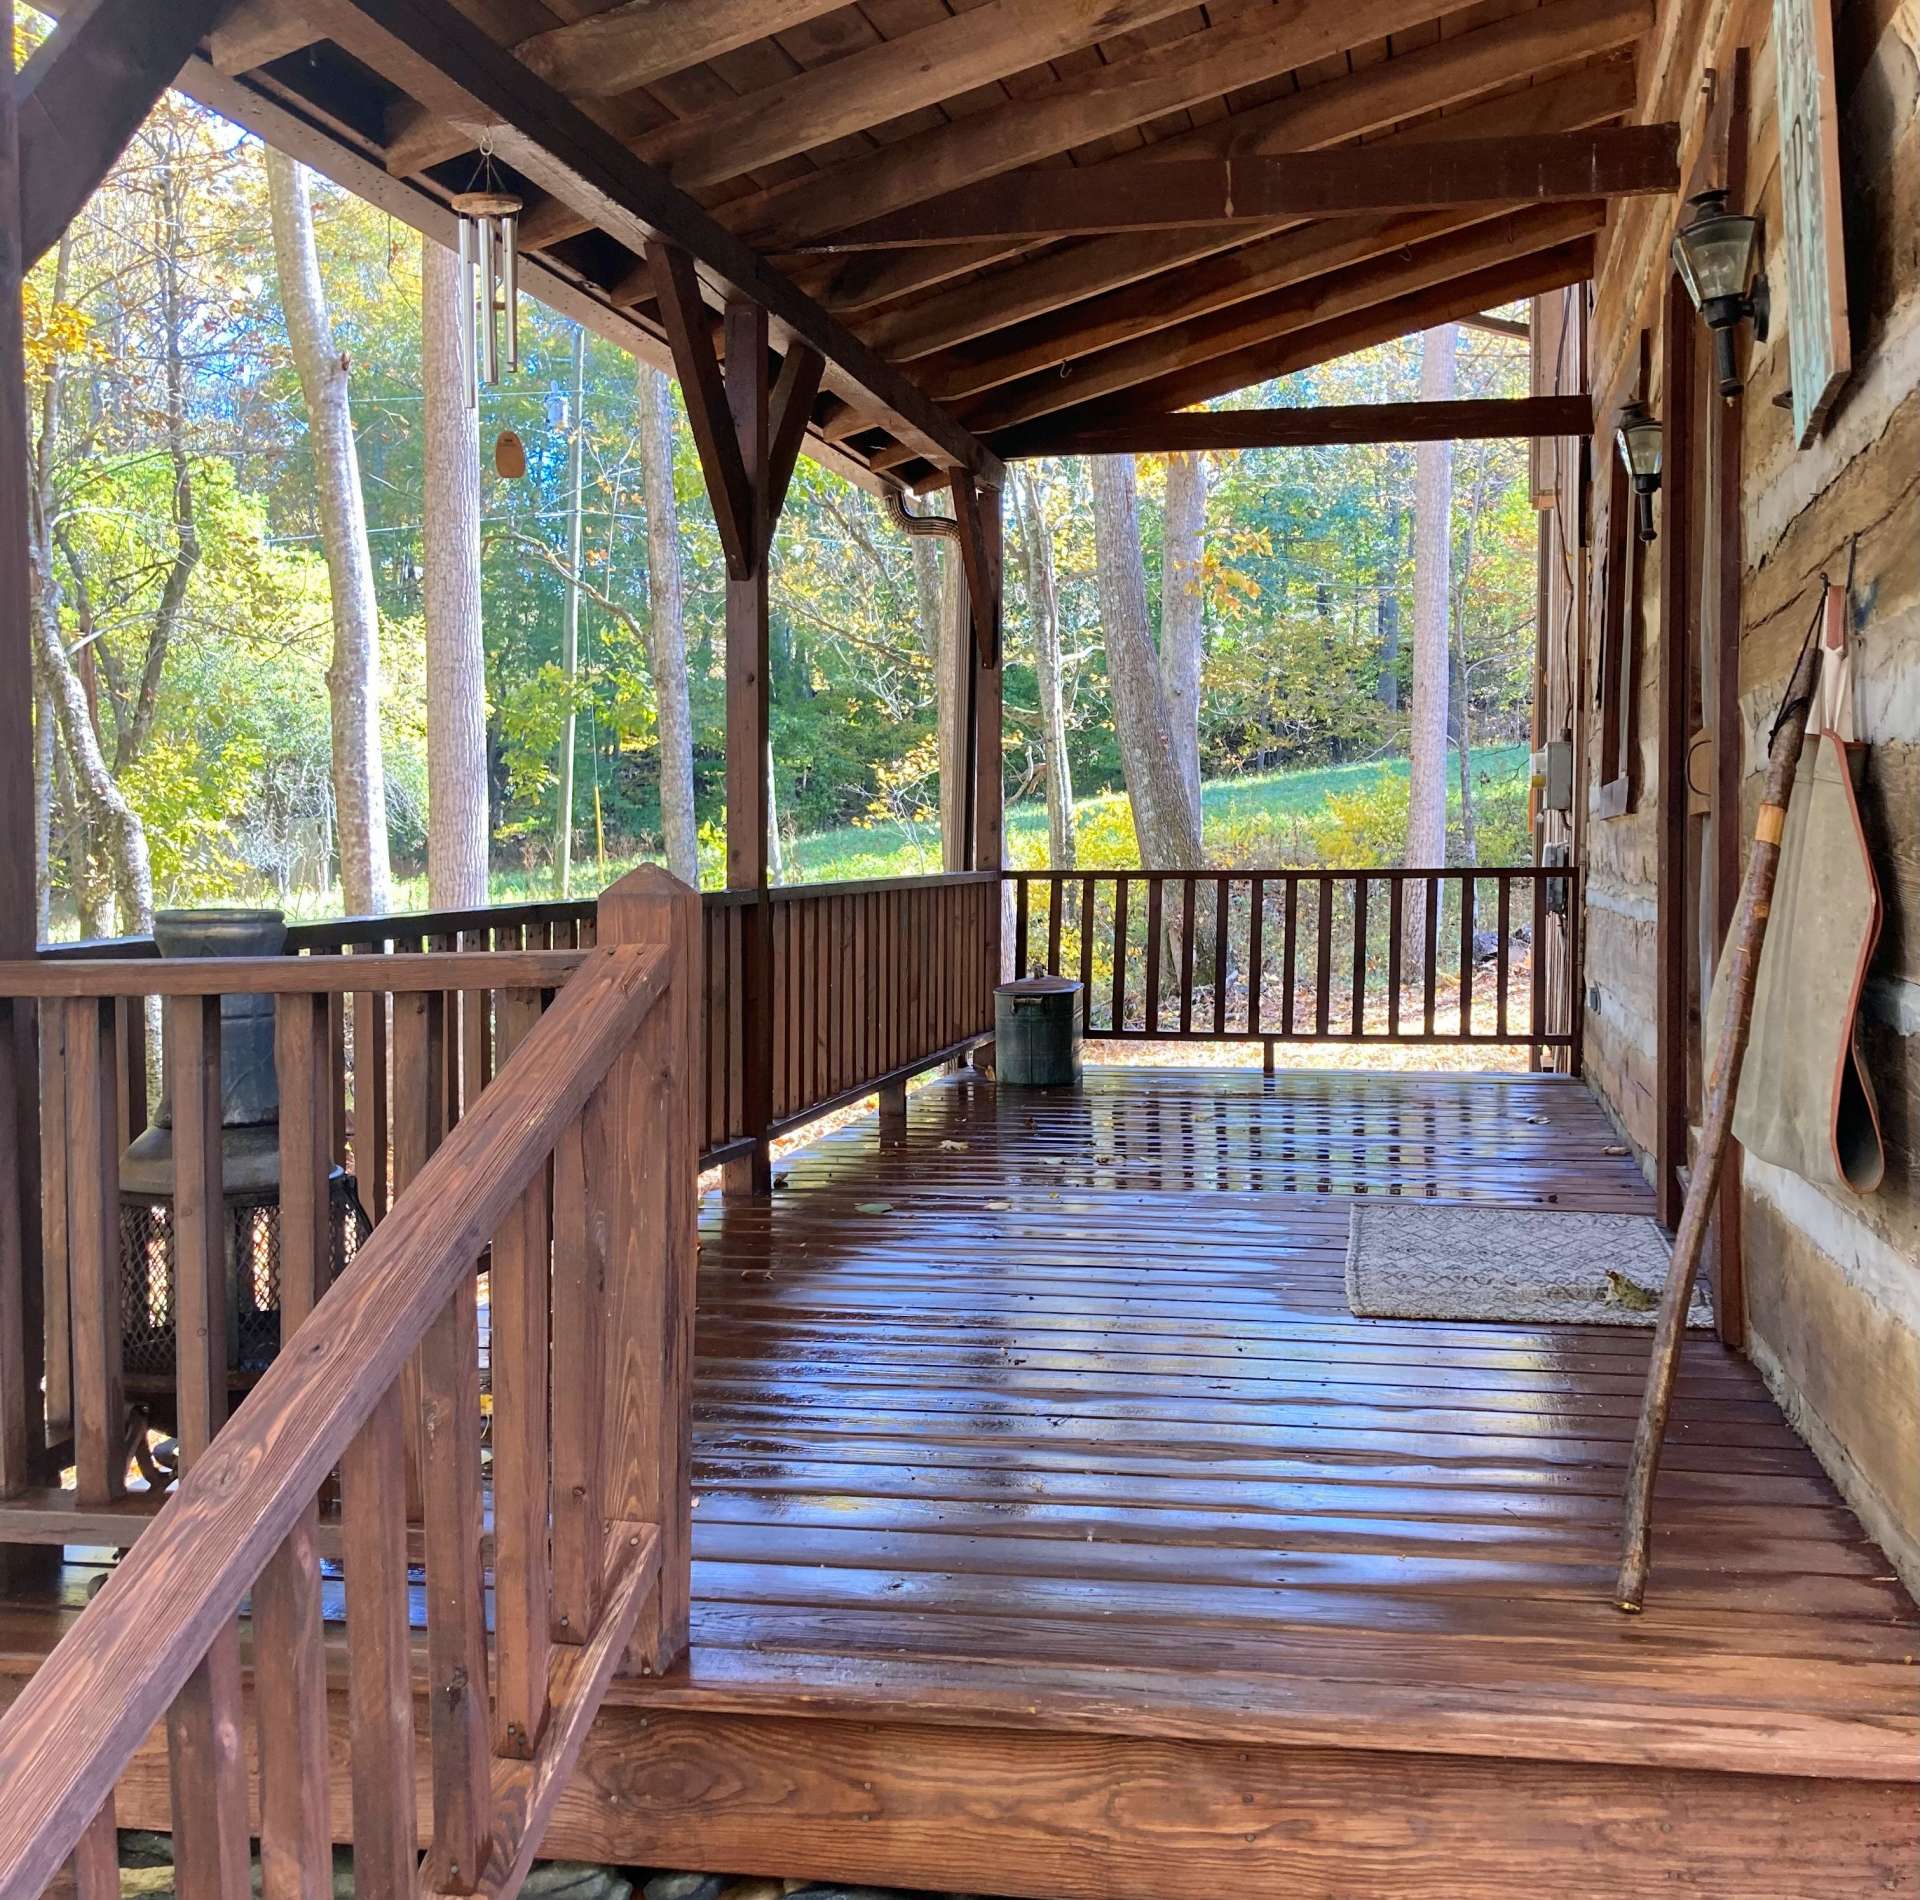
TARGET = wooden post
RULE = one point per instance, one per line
(21, 1344)
(748, 433)
(1672, 951)
(984, 843)
(651, 1101)
(749, 726)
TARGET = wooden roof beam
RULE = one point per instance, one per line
(1293, 253)
(257, 32)
(429, 49)
(1514, 277)
(630, 46)
(1302, 306)
(1340, 110)
(1499, 326)
(1537, 46)
(952, 55)
(1074, 110)
(82, 95)
(1173, 194)
(1191, 431)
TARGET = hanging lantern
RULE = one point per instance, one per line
(489, 253)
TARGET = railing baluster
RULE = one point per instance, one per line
(1222, 919)
(1020, 962)
(1396, 922)
(373, 1509)
(1155, 926)
(290, 1700)
(522, 1563)
(95, 1864)
(16, 1433)
(1504, 923)
(1290, 923)
(456, 1608)
(206, 1763)
(1360, 896)
(1087, 908)
(1430, 952)
(93, 1239)
(290, 1690)
(371, 1082)
(1466, 954)
(1323, 961)
(1537, 998)
(419, 1126)
(582, 1155)
(1186, 954)
(1119, 955)
(1256, 950)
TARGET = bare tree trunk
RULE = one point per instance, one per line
(667, 631)
(45, 742)
(457, 831)
(1166, 817)
(1183, 609)
(941, 617)
(570, 627)
(1387, 589)
(1432, 588)
(353, 678)
(1043, 601)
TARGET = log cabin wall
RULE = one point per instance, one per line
(1830, 1283)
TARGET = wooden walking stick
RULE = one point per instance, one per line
(1722, 1085)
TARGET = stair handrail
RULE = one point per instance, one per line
(82, 1717)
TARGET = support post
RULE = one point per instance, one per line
(650, 1103)
(748, 432)
(22, 1429)
(749, 732)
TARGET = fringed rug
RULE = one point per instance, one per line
(1516, 1265)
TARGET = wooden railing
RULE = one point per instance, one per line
(873, 982)
(869, 982)
(572, 1172)
(1360, 956)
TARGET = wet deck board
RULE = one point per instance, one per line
(1062, 1391)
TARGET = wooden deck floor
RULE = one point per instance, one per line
(1061, 1533)
(1052, 1418)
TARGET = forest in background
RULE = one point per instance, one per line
(193, 600)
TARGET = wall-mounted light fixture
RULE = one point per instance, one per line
(1637, 436)
(1717, 253)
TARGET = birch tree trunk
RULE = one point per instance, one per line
(457, 830)
(667, 630)
(1166, 818)
(1432, 590)
(1183, 609)
(1043, 600)
(353, 678)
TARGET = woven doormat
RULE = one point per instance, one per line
(1519, 1265)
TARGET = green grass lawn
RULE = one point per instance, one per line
(1235, 812)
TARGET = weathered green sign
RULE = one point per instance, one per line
(1820, 352)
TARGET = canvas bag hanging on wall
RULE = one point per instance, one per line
(1806, 1101)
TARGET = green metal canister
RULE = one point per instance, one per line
(1036, 1024)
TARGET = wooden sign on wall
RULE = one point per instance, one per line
(1820, 351)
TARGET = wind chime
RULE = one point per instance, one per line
(489, 251)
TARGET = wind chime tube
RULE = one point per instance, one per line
(489, 302)
(510, 273)
(465, 327)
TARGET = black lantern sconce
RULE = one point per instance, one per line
(1717, 253)
(1637, 436)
